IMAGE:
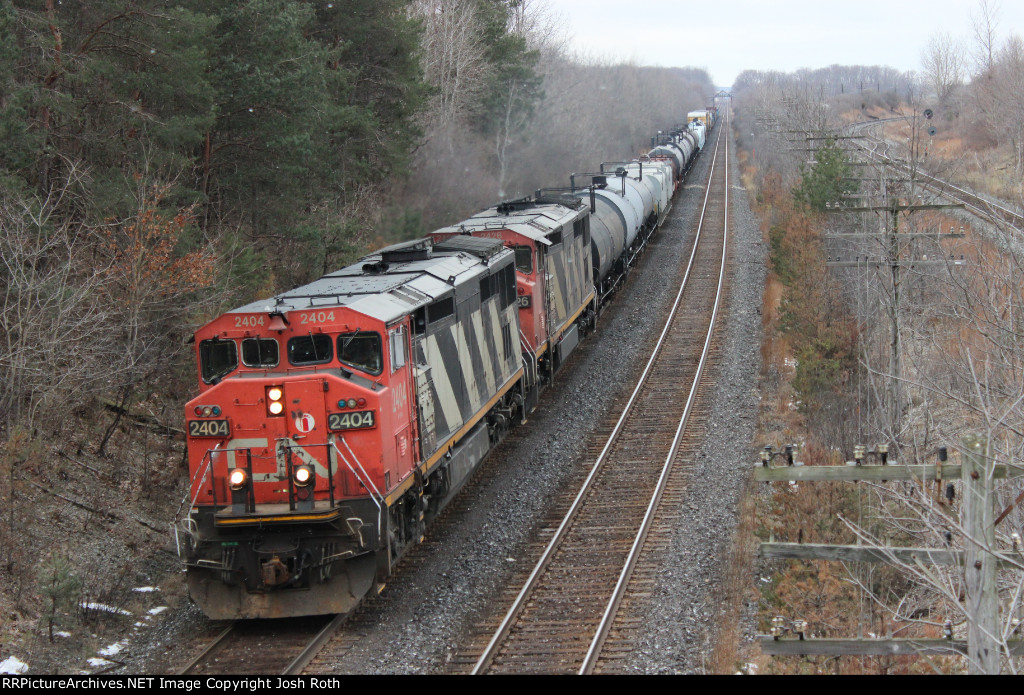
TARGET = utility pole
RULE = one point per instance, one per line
(979, 560)
(982, 604)
(892, 191)
(892, 239)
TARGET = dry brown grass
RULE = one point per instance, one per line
(729, 654)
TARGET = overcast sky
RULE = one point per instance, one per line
(729, 36)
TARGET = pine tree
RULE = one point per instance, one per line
(827, 181)
(59, 585)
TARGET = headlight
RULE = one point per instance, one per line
(237, 478)
(275, 400)
(303, 476)
(351, 402)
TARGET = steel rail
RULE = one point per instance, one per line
(213, 646)
(593, 653)
(517, 606)
(294, 667)
(300, 662)
(970, 200)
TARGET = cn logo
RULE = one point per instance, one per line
(304, 422)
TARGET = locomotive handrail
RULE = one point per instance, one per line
(208, 455)
(375, 495)
(188, 519)
(534, 374)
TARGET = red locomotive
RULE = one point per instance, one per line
(336, 419)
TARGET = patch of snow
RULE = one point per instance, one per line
(61, 633)
(158, 610)
(112, 650)
(145, 589)
(97, 662)
(12, 666)
(104, 608)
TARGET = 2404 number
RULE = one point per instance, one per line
(208, 428)
(350, 421)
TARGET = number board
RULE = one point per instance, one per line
(208, 428)
(350, 421)
(524, 301)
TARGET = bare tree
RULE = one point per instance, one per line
(985, 29)
(453, 56)
(53, 338)
(150, 283)
(1009, 78)
(943, 62)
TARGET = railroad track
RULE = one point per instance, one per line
(563, 620)
(282, 647)
(878, 150)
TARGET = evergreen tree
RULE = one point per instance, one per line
(513, 87)
(118, 87)
(375, 45)
(59, 585)
(19, 145)
(262, 160)
(827, 181)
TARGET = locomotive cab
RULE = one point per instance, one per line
(285, 449)
(334, 422)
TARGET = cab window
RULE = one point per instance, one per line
(524, 259)
(260, 352)
(361, 350)
(217, 359)
(310, 349)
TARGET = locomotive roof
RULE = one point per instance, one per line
(391, 282)
(532, 219)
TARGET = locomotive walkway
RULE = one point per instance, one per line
(572, 614)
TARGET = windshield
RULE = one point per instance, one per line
(361, 350)
(310, 349)
(259, 352)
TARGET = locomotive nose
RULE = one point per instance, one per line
(300, 408)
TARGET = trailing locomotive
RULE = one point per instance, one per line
(336, 419)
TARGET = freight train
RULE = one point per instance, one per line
(335, 420)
